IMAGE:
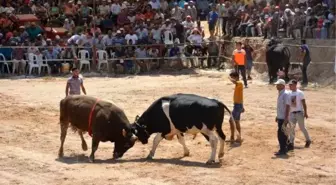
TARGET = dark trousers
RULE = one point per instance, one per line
(282, 138)
(304, 73)
(225, 19)
(242, 70)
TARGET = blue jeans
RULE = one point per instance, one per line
(237, 110)
(249, 64)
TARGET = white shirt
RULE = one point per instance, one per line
(188, 25)
(73, 39)
(156, 34)
(104, 9)
(115, 9)
(195, 39)
(295, 101)
(281, 103)
(155, 5)
(131, 18)
(132, 37)
(108, 40)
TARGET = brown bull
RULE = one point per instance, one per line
(103, 120)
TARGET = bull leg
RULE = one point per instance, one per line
(213, 143)
(222, 137)
(64, 128)
(182, 142)
(270, 75)
(95, 144)
(84, 145)
(156, 142)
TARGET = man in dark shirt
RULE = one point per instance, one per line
(179, 30)
(305, 59)
(249, 58)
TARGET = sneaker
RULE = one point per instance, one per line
(280, 153)
(308, 144)
(249, 78)
(290, 147)
(246, 87)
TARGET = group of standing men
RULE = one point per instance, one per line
(291, 104)
(291, 109)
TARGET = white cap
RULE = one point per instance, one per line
(280, 82)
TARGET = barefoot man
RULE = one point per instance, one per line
(74, 84)
(238, 107)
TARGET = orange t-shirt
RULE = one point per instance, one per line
(239, 57)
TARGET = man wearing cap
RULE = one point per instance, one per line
(281, 115)
(296, 112)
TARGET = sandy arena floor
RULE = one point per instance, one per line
(29, 136)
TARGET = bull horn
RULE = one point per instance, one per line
(124, 132)
(135, 138)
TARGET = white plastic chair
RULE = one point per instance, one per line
(168, 37)
(84, 58)
(33, 63)
(44, 64)
(5, 63)
(17, 62)
(102, 58)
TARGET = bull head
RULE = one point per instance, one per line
(133, 138)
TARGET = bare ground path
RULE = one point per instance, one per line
(29, 136)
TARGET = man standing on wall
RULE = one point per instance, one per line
(239, 61)
(305, 59)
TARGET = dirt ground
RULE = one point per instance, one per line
(29, 136)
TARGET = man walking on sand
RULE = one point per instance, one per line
(281, 115)
(238, 107)
(74, 84)
(296, 112)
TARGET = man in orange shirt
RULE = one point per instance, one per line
(239, 61)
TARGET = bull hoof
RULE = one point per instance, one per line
(60, 154)
(91, 159)
(149, 157)
(186, 154)
(221, 155)
(84, 146)
(210, 162)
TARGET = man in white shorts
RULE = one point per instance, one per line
(296, 112)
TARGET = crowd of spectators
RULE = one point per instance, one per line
(286, 19)
(138, 30)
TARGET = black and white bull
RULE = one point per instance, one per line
(103, 120)
(277, 58)
(183, 113)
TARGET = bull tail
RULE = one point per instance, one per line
(232, 119)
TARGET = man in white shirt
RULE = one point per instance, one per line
(296, 112)
(104, 8)
(281, 115)
(115, 10)
(131, 37)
